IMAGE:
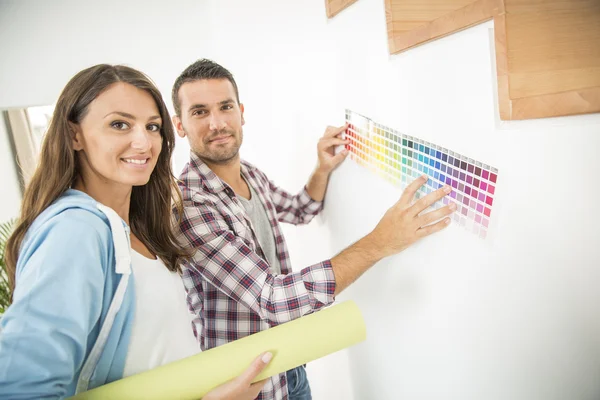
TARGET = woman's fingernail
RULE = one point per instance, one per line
(267, 357)
(424, 177)
(452, 206)
(447, 189)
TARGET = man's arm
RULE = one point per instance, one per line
(304, 206)
(225, 260)
(328, 161)
(401, 226)
(229, 264)
(293, 209)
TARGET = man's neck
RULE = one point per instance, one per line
(230, 173)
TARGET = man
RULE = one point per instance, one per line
(239, 280)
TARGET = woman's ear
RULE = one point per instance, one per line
(76, 137)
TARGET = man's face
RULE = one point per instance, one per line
(212, 119)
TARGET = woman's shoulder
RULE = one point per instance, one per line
(71, 210)
(73, 218)
(69, 240)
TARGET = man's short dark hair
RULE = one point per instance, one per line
(199, 70)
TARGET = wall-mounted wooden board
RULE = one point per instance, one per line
(547, 51)
(413, 22)
(553, 57)
(332, 7)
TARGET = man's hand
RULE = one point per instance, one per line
(328, 160)
(405, 223)
(242, 388)
(402, 225)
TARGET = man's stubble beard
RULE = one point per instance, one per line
(226, 158)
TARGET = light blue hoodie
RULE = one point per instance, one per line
(69, 326)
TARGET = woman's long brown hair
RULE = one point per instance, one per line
(151, 204)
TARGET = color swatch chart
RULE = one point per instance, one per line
(400, 159)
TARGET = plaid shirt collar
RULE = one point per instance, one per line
(209, 180)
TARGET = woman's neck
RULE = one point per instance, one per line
(117, 197)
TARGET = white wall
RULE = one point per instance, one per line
(44, 43)
(455, 317)
(514, 317)
(10, 190)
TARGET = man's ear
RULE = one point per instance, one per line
(242, 111)
(76, 136)
(178, 126)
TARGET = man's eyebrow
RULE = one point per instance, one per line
(200, 106)
(195, 106)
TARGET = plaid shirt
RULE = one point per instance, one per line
(230, 287)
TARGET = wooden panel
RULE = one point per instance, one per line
(333, 7)
(550, 82)
(548, 58)
(524, 6)
(547, 51)
(554, 47)
(504, 103)
(412, 14)
(582, 101)
(463, 15)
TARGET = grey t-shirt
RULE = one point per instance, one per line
(262, 228)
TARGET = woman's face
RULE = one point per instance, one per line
(118, 141)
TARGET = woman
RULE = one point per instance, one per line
(93, 261)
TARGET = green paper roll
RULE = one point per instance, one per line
(292, 344)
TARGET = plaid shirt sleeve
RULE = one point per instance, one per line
(226, 261)
(294, 209)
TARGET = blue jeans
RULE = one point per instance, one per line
(298, 387)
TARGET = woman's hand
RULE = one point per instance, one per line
(242, 388)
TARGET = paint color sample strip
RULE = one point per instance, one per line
(401, 158)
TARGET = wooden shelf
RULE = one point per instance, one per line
(547, 51)
(333, 7)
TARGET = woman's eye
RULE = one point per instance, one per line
(119, 125)
(154, 128)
